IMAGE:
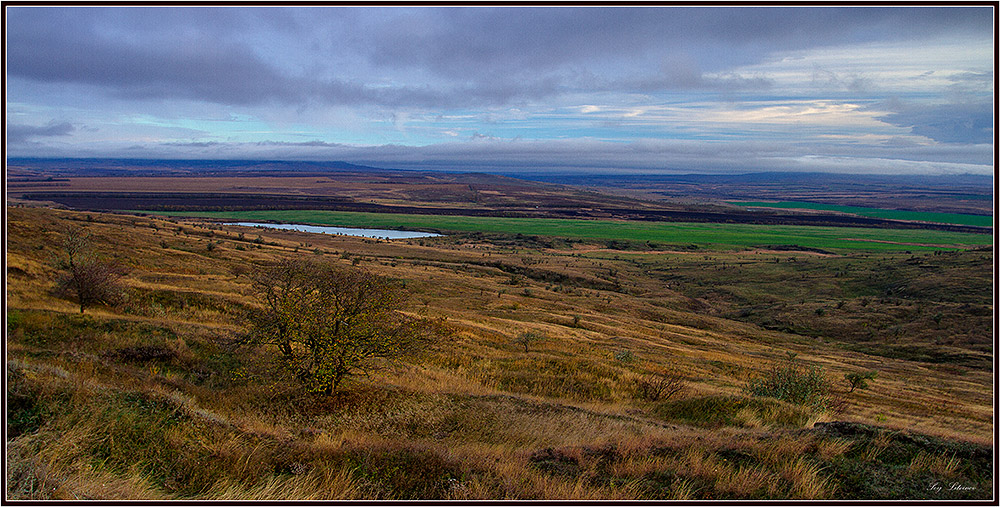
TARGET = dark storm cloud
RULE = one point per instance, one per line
(21, 133)
(464, 56)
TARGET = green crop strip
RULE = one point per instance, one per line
(921, 216)
(725, 236)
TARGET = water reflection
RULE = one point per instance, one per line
(342, 231)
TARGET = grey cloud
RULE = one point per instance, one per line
(640, 49)
(651, 155)
(449, 56)
(20, 133)
(483, 137)
(191, 68)
(728, 82)
(827, 79)
(193, 144)
(311, 144)
(452, 41)
(965, 123)
(195, 61)
(973, 77)
(218, 144)
(227, 73)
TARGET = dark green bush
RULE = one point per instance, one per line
(792, 383)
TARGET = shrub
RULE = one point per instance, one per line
(792, 383)
(860, 380)
(660, 385)
(625, 356)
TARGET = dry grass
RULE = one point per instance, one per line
(939, 465)
(317, 484)
(806, 481)
(830, 449)
(472, 408)
(747, 482)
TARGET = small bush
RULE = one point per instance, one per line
(792, 383)
(660, 385)
(625, 356)
(860, 380)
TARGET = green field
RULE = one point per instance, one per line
(724, 236)
(940, 218)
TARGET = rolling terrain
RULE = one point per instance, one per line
(101, 184)
(158, 396)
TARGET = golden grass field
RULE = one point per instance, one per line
(153, 399)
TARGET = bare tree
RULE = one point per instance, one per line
(329, 321)
(88, 278)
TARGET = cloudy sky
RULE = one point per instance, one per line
(701, 89)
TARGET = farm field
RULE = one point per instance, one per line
(945, 218)
(160, 397)
(672, 235)
(173, 186)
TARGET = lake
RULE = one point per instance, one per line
(342, 231)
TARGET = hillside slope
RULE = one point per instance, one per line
(157, 397)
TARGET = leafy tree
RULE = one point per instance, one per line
(88, 278)
(860, 380)
(329, 322)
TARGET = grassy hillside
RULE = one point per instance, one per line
(158, 398)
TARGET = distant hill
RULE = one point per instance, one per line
(784, 178)
(23, 166)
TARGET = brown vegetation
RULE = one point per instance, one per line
(155, 397)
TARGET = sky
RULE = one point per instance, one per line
(705, 89)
